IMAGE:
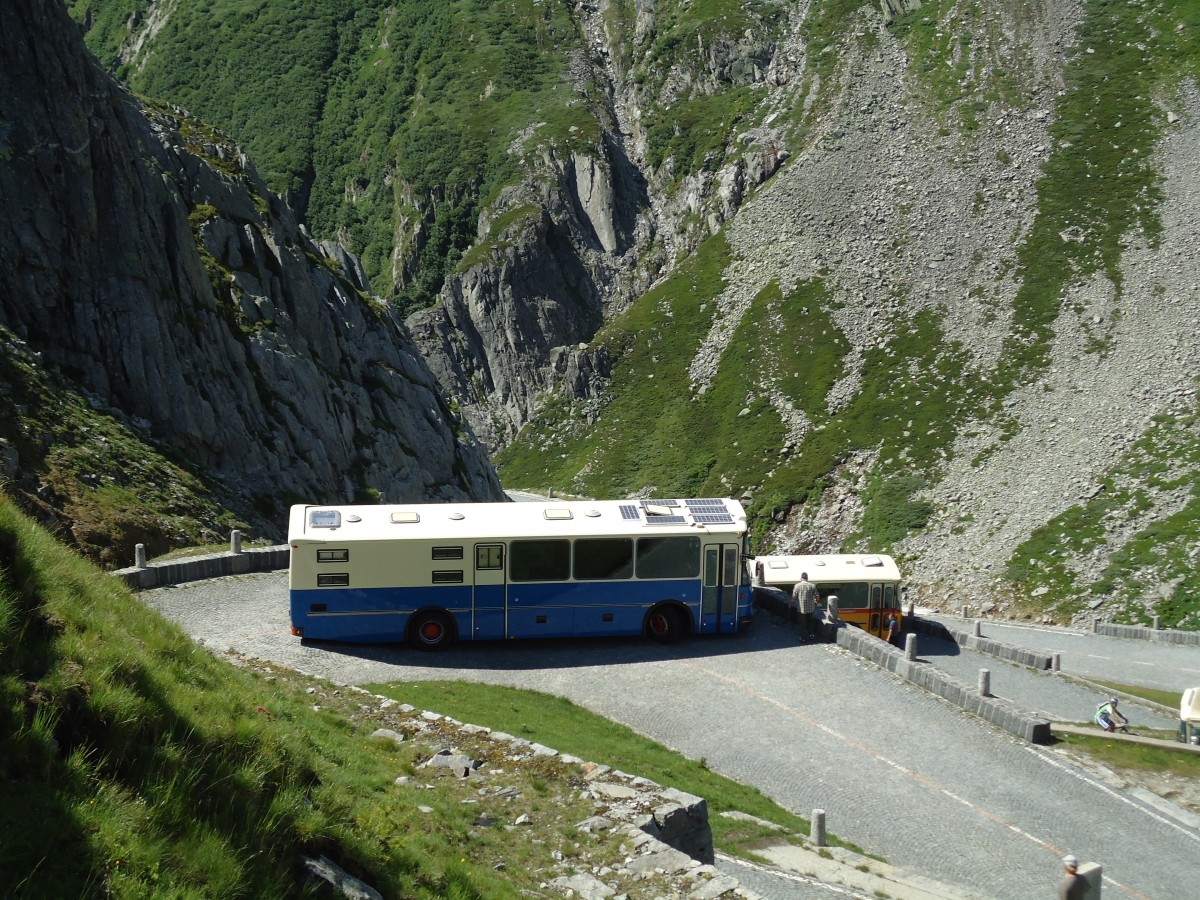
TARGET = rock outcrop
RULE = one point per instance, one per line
(500, 338)
(145, 262)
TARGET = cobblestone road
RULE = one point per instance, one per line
(899, 772)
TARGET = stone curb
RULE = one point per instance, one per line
(1004, 715)
(1019, 655)
(211, 565)
(1142, 633)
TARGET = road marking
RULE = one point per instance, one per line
(929, 782)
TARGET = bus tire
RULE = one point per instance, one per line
(431, 631)
(664, 624)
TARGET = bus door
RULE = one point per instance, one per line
(718, 608)
(490, 600)
(876, 617)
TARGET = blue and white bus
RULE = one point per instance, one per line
(432, 573)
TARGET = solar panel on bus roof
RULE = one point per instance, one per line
(705, 504)
(646, 503)
(713, 518)
(666, 520)
(629, 511)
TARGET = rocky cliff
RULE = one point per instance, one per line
(146, 267)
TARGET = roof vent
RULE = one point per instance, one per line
(407, 517)
(557, 515)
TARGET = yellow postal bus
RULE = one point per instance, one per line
(867, 586)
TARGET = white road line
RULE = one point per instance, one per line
(1087, 779)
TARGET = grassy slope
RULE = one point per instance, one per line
(135, 763)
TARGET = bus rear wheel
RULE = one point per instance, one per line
(430, 631)
(664, 624)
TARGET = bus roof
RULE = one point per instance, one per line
(828, 568)
(549, 518)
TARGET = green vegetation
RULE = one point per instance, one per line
(136, 764)
(694, 132)
(1134, 758)
(1166, 698)
(556, 722)
(1154, 571)
(370, 114)
(652, 438)
(115, 489)
(964, 61)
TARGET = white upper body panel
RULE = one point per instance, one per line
(502, 521)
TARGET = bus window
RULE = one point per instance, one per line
(668, 557)
(597, 558)
(730, 581)
(489, 556)
(876, 593)
(889, 596)
(539, 560)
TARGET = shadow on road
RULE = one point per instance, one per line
(767, 633)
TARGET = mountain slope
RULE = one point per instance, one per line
(206, 339)
(958, 354)
(909, 277)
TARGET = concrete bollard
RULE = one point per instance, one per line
(1056, 663)
(818, 827)
(910, 646)
(1156, 623)
(964, 611)
(139, 556)
(1093, 874)
(985, 683)
(978, 632)
(911, 606)
(235, 541)
(1095, 624)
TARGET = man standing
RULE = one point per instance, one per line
(1074, 886)
(893, 630)
(804, 600)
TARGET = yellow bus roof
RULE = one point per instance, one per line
(541, 519)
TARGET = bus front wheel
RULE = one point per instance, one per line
(664, 624)
(430, 631)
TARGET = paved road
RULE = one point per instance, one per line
(1169, 667)
(1060, 699)
(898, 771)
